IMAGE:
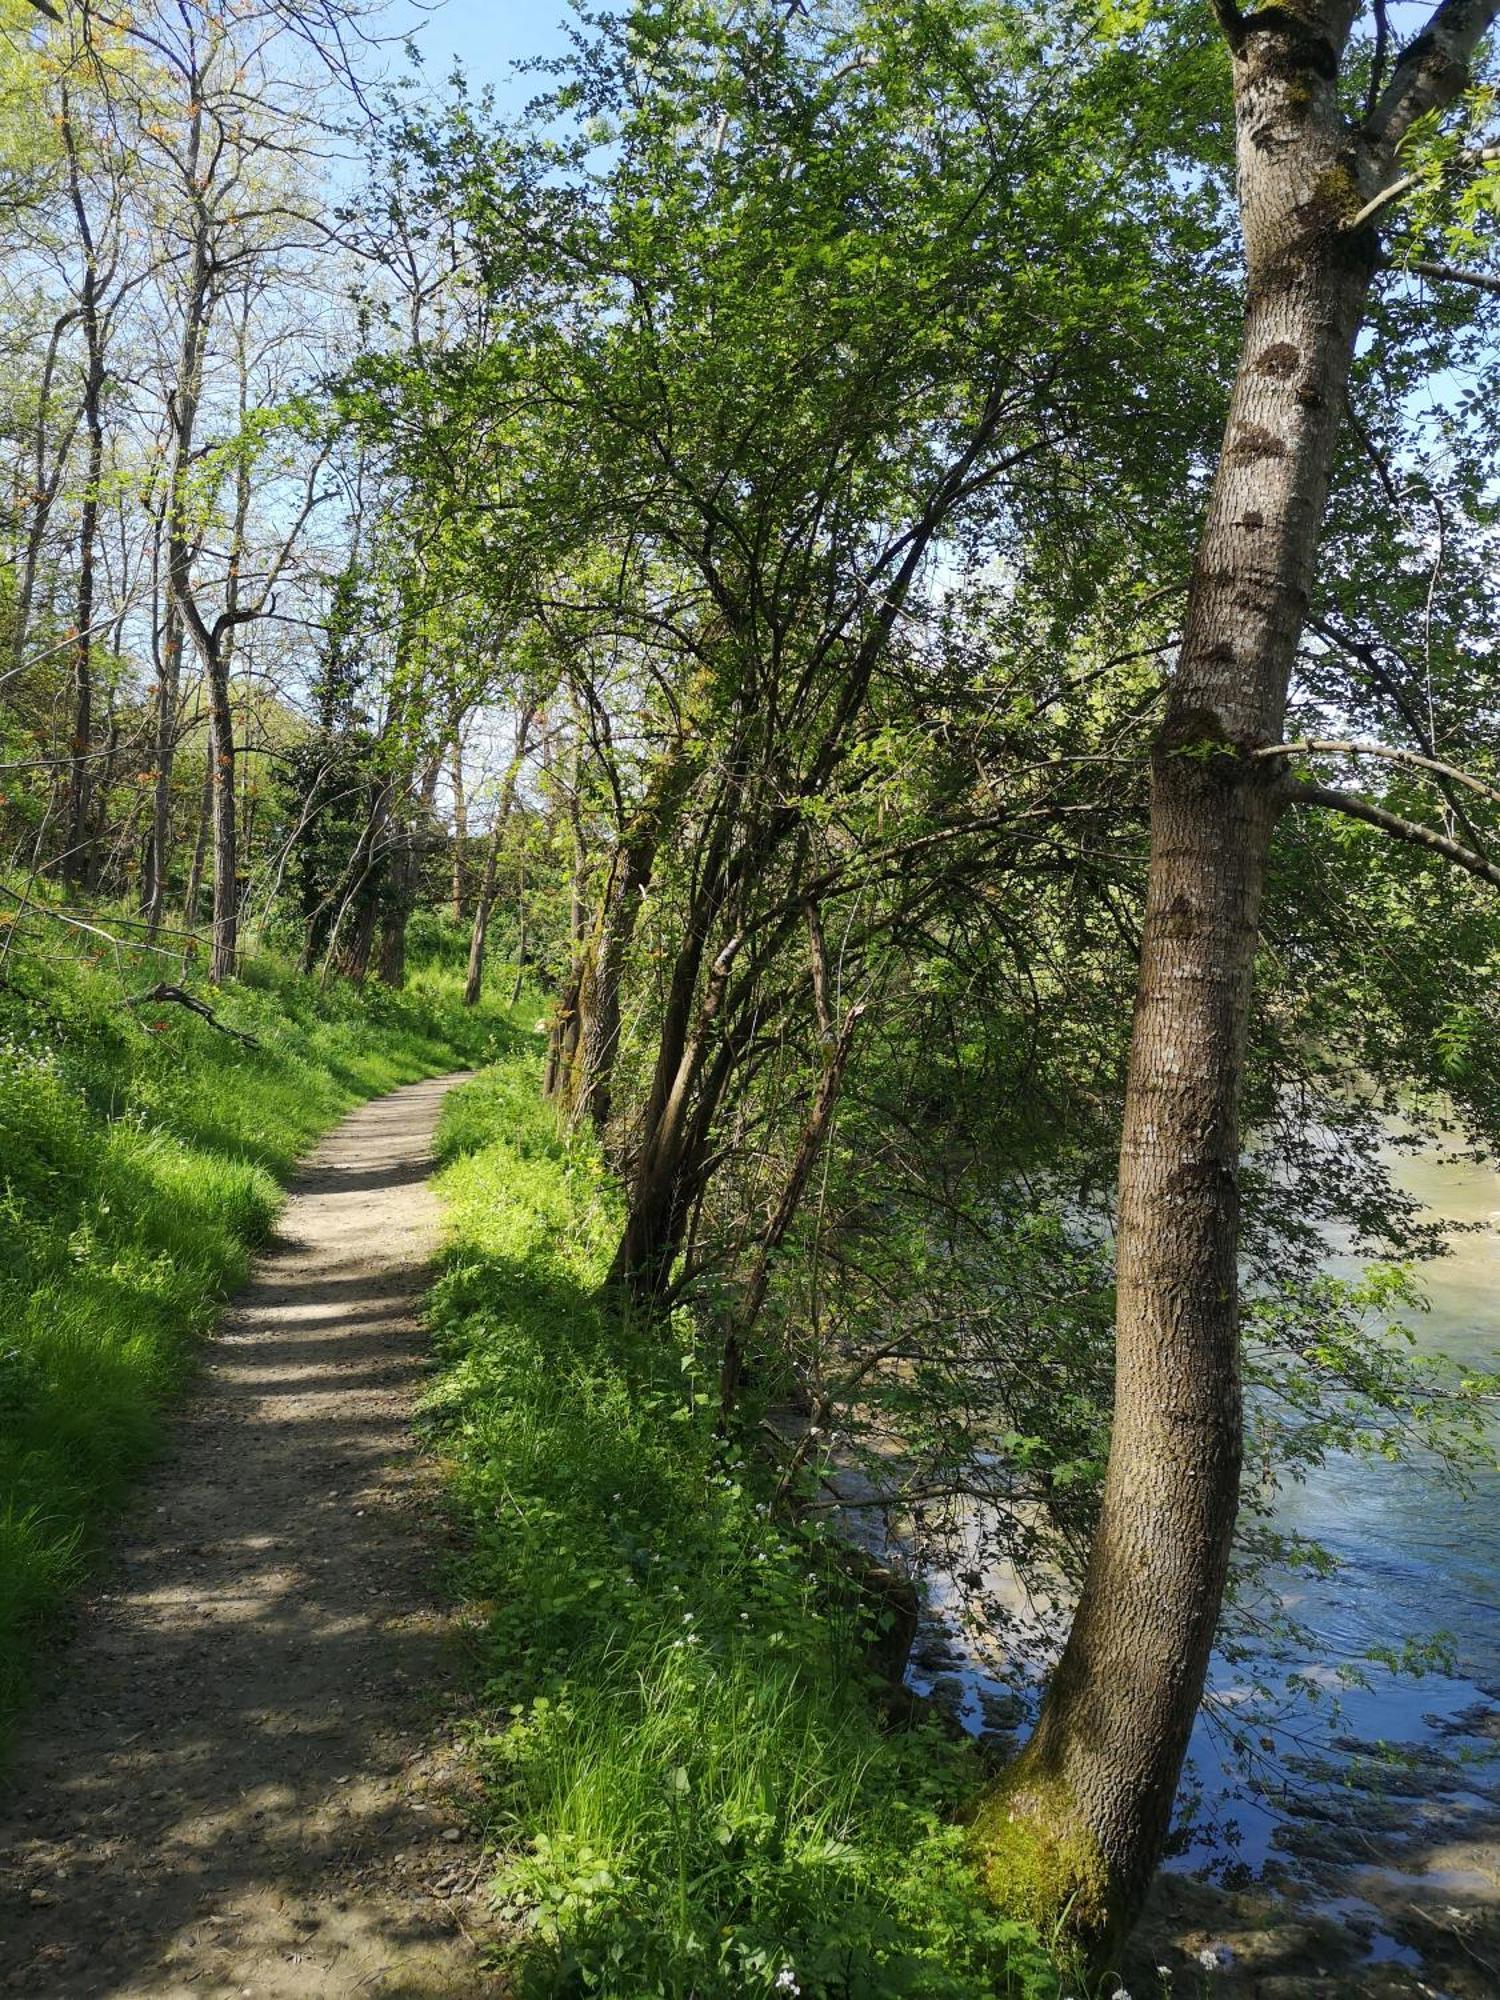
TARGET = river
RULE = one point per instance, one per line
(1366, 1851)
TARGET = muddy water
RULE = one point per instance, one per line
(1368, 1837)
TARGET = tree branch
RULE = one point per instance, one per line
(1461, 163)
(1330, 747)
(1408, 830)
(1431, 71)
(163, 992)
(1451, 274)
(1231, 23)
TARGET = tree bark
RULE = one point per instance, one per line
(78, 840)
(1073, 1831)
(224, 932)
(474, 981)
(159, 841)
(200, 838)
(460, 833)
(629, 878)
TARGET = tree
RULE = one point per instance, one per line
(1075, 1828)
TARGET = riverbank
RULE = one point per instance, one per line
(693, 1783)
(1368, 1852)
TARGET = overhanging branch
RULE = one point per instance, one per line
(1387, 753)
(1408, 830)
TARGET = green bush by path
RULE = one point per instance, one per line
(141, 1157)
(692, 1791)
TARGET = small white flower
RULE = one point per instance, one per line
(1216, 1957)
(786, 1981)
(1164, 1972)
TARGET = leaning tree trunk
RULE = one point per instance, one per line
(1073, 1831)
(629, 879)
(77, 859)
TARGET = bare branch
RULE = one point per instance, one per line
(1460, 164)
(1331, 747)
(1408, 830)
(178, 997)
(1451, 274)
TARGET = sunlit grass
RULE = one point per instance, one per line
(692, 1788)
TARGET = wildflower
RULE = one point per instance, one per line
(786, 1981)
(1216, 1957)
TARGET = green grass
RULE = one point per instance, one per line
(690, 1784)
(141, 1159)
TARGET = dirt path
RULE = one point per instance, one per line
(241, 1786)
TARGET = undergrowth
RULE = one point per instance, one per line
(141, 1158)
(692, 1787)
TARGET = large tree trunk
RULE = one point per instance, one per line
(629, 878)
(1073, 1832)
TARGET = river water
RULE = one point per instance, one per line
(1381, 1815)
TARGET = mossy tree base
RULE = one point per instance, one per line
(1043, 1866)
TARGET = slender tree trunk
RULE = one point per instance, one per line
(45, 484)
(77, 865)
(359, 894)
(474, 982)
(159, 844)
(1073, 1831)
(224, 955)
(804, 1158)
(460, 833)
(200, 838)
(75, 860)
(567, 1015)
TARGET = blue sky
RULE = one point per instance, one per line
(484, 36)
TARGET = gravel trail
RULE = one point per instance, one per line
(241, 1784)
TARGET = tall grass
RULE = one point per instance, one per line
(141, 1159)
(691, 1784)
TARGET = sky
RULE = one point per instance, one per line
(485, 37)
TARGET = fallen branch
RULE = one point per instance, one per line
(179, 998)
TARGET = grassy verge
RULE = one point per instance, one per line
(141, 1158)
(692, 1790)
